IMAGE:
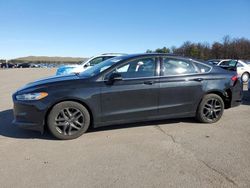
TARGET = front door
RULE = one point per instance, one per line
(135, 97)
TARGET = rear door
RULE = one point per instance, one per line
(180, 87)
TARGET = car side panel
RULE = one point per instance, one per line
(129, 100)
(86, 93)
(222, 83)
(180, 95)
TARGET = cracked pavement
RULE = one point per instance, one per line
(170, 153)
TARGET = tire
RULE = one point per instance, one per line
(245, 77)
(210, 109)
(68, 120)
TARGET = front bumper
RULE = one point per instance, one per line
(29, 115)
(28, 125)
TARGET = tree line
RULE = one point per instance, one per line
(45, 60)
(48, 60)
(228, 48)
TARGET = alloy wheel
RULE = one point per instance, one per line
(69, 121)
(245, 77)
(212, 109)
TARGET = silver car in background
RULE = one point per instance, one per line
(69, 69)
(242, 67)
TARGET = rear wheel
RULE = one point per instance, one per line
(245, 77)
(68, 120)
(210, 109)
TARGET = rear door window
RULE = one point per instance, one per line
(203, 68)
(173, 67)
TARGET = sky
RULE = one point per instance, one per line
(83, 28)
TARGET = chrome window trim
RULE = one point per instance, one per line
(159, 69)
(155, 77)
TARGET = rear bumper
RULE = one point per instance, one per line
(237, 94)
(236, 103)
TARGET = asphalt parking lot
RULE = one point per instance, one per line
(171, 153)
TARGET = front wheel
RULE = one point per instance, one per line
(68, 120)
(210, 109)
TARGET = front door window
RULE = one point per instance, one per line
(137, 68)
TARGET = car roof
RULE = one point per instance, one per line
(130, 56)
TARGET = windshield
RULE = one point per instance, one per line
(92, 71)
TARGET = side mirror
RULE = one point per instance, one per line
(114, 77)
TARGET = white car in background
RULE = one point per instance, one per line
(69, 69)
(243, 67)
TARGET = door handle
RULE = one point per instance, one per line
(149, 82)
(198, 79)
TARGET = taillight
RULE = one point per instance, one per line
(234, 79)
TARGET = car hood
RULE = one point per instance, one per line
(48, 80)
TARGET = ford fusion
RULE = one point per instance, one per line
(126, 89)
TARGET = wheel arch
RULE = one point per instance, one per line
(225, 95)
(73, 100)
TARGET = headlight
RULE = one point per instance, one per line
(31, 96)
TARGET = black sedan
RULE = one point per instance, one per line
(23, 65)
(127, 89)
(7, 65)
